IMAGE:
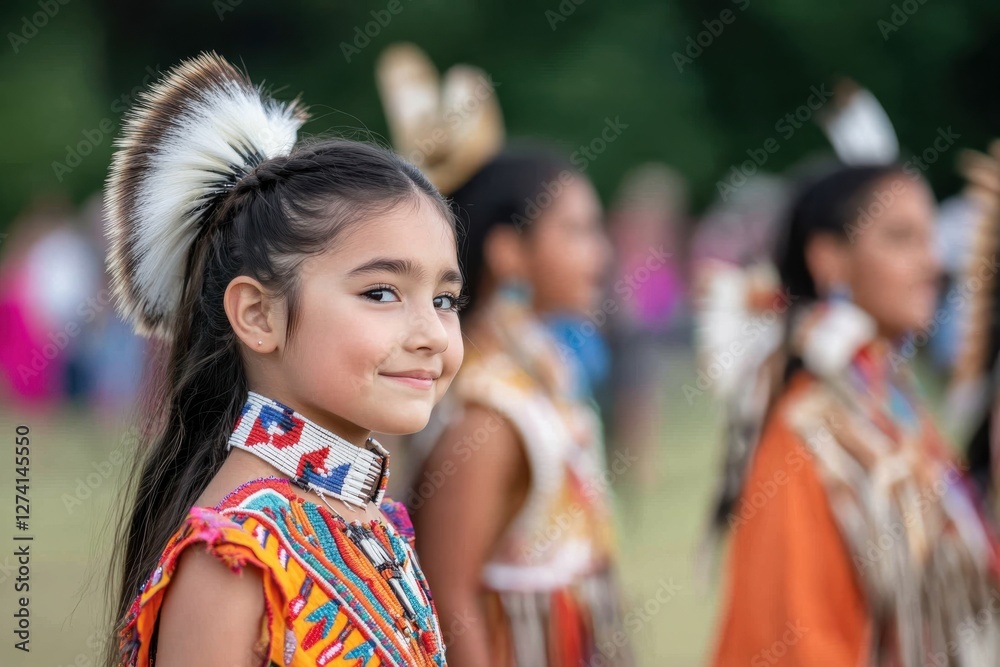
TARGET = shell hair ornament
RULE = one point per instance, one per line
(448, 127)
(186, 143)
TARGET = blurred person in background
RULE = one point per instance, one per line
(740, 229)
(49, 292)
(648, 293)
(857, 540)
(511, 496)
(736, 304)
(971, 318)
(109, 359)
(514, 472)
(957, 221)
(63, 341)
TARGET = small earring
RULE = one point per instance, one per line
(259, 342)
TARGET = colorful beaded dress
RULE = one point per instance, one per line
(336, 593)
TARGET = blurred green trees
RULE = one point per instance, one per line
(697, 83)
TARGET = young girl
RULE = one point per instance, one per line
(305, 296)
(514, 471)
(856, 538)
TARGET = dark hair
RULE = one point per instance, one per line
(285, 210)
(513, 189)
(828, 204)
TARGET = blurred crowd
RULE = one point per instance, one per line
(718, 286)
(64, 344)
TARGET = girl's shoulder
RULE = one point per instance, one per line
(236, 543)
(314, 608)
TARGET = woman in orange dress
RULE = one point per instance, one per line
(856, 537)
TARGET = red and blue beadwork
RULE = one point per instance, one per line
(311, 455)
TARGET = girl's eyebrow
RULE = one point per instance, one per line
(402, 267)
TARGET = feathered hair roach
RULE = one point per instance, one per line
(188, 141)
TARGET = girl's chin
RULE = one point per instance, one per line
(402, 424)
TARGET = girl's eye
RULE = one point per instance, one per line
(383, 294)
(450, 302)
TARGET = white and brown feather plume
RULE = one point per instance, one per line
(185, 144)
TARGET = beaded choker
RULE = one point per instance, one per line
(313, 457)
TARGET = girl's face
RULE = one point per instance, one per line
(378, 340)
(892, 267)
(566, 254)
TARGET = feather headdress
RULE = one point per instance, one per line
(186, 143)
(450, 128)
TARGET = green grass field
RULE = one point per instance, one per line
(659, 531)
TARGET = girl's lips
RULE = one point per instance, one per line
(417, 383)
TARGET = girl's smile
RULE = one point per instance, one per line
(418, 379)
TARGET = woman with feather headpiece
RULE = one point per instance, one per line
(511, 497)
(856, 538)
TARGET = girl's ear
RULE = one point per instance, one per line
(828, 261)
(253, 314)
